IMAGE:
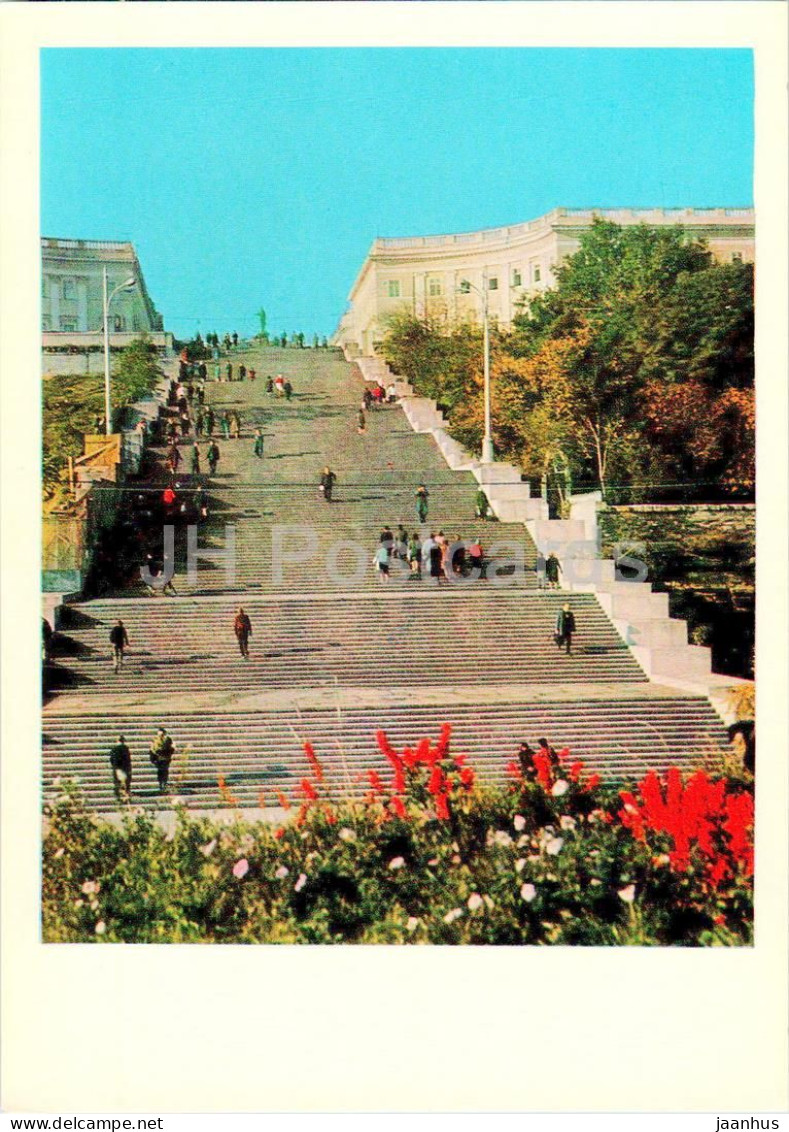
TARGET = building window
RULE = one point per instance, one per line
(536, 273)
(393, 288)
(69, 289)
(516, 278)
(493, 284)
(433, 287)
(736, 257)
(119, 322)
(68, 324)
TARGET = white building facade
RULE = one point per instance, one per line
(72, 300)
(423, 274)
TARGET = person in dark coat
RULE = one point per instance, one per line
(46, 640)
(119, 639)
(421, 494)
(212, 455)
(210, 421)
(481, 505)
(526, 760)
(121, 764)
(565, 627)
(161, 755)
(552, 571)
(196, 459)
(328, 480)
(242, 372)
(242, 627)
(258, 447)
(288, 390)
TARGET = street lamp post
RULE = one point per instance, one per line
(487, 439)
(125, 286)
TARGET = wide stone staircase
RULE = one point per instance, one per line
(336, 653)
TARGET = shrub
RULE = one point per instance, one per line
(429, 856)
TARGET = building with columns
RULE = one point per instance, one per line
(423, 274)
(72, 302)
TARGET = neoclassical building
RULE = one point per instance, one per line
(424, 274)
(71, 295)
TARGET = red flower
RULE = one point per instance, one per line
(436, 780)
(308, 790)
(278, 833)
(442, 748)
(467, 777)
(542, 764)
(592, 782)
(514, 770)
(397, 806)
(313, 761)
(576, 770)
(283, 800)
(375, 781)
(442, 807)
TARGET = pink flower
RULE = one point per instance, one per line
(241, 868)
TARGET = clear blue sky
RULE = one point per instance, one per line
(251, 178)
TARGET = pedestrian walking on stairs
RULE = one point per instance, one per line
(119, 639)
(161, 755)
(210, 421)
(121, 765)
(422, 495)
(361, 423)
(212, 455)
(565, 627)
(235, 426)
(225, 425)
(258, 449)
(328, 480)
(552, 571)
(242, 627)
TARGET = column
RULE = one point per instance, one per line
(54, 303)
(82, 304)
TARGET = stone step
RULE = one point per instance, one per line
(263, 751)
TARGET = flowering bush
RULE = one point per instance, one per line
(429, 856)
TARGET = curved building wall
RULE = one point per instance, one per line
(422, 274)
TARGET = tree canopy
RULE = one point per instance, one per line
(635, 371)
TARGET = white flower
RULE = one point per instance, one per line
(501, 837)
(519, 864)
(282, 872)
(59, 852)
(559, 787)
(208, 849)
(396, 863)
(241, 868)
(488, 901)
(90, 886)
(519, 821)
(433, 861)
(522, 840)
(346, 834)
(528, 892)
(94, 905)
(455, 914)
(101, 928)
(412, 924)
(300, 882)
(627, 894)
(595, 882)
(567, 822)
(474, 901)
(554, 846)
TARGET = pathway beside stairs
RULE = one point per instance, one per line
(335, 653)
